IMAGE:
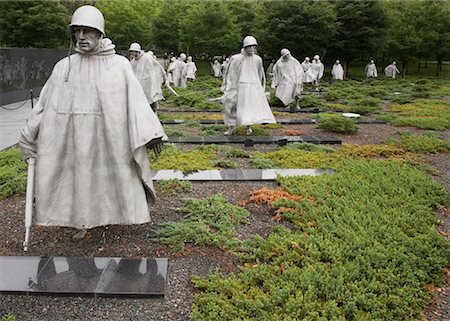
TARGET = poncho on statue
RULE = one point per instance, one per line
(89, 133)
(243, 87)
(287, 79)
(150, 74)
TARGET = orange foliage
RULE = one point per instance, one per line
(292, 132)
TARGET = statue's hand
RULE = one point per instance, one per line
(157, 145)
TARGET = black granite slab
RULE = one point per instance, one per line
(236, 174)
(251, 140)
(98, 276)
(370, 121)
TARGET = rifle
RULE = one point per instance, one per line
(29, 201)
(171, 89)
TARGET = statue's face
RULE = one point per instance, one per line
(87, 38)
(286, 57)
(250, 50)
(134, 54)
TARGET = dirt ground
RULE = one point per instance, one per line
(136, 241)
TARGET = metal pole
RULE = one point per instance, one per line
(31, 97)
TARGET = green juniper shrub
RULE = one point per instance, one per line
(213, 130)
(8, 317)
(364, 251)
(332, 95)
(257, 130)
(172, 131)
(225, 163)
(207, 221)
(13, 172)
(426, 143)
(402, 100)
(192, 123)
(337, 124)
(199, 158)
(173, 187)
(262, 163)
(236, 152)
(310, 101)
(364, 105)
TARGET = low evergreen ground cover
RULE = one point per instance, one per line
(363, 250)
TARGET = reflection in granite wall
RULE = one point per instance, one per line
(22, 69)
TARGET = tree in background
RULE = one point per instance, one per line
(403, 41)
(217, 33)
(434, 26)
(166, 24)
(362, 28)
(305, 27)
(129, 21)
(38, 24)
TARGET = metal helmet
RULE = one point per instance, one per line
(249, 41)
(284, 52)
(183, 56)
(135, 47)
(88, 16)
(306, 58)
(316, 57)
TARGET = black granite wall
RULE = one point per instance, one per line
(22, 69)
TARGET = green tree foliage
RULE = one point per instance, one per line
(403, 41)
(435, 30)
(38, 24)
(216, 34)
(362, 26)
(166, 24)
(305, 27)
(129, 21)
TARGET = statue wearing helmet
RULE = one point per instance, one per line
(288, 80)
(149, 72)
(243, 88)
(179, 71)
(315, 73)
(191, 69)
(337, 72)
(92, 119)
(370, 70)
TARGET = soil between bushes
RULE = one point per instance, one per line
(135, 241)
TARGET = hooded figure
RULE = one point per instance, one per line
(217, 69)
(315, 72)
(170, 70)
(337, 72)
(89, 133)
(179, 71)
(191, 69)
(269, 71)
(225, 66)
(391, 70)
(371, 70)
(288, 79)
(149, 72)
(306, 64)
(243, 87)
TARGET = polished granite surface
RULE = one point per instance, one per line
(83, 275)
(251, 140)
(236, 174)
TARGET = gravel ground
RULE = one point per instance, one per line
(135, 241)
